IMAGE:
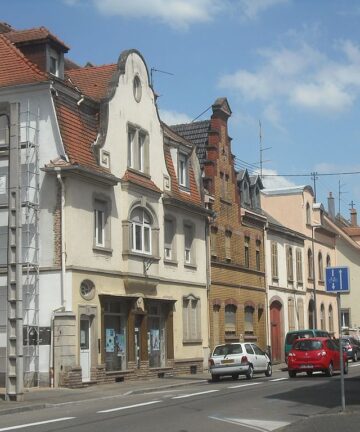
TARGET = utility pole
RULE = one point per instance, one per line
(15, 360)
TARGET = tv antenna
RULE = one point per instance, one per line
(152, 70)
(261, 151)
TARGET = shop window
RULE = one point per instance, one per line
(156, 335)
(191, 319)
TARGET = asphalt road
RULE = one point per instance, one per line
(263, 404)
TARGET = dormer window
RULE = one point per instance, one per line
(138, 142)
(183, 170)
(54, 66)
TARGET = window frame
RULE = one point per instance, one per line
(258, 255)
(247, 252)
(189, 249)
(101, 205)
(230, 325)
(191, 319)
(289, 263)
(249, 324)
(183, 170)
(299, 266)
(145, 227)
(310, 264)
(321, 267)
(137, 148)
(169, 245)
(274, 261)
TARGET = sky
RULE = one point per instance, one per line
(291, 65)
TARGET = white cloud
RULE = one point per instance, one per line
(271, 180)
(252, 8)
(302, 76)
(173, 117)
(180, 14)
(273, 115)
(176, 13)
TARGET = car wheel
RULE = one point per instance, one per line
(250, 372)
(268, 371)
(215, 378)
(355, 358)
(235, 376)
(309, 373)
(292, 374)
(346, 368)
(330, 370)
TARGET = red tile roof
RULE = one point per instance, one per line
(92, 81)
(138, 179)
(15, 68)
(79, 129)
(32, 35)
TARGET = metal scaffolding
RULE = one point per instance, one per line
(19, 249)
(29, 132)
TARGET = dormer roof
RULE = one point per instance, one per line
(35, 35)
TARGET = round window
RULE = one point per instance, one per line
(87, 289)
(137, 88)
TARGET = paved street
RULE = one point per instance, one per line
(263, 404)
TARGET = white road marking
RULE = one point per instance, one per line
(194, 394)
(354, 365)
(259, 425)
(36, 424)
(245, 385)
(279, 379)
(128, 407)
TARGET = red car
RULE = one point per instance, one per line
(314, 355)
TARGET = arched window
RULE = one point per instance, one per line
(322, 317)
(328, 261)
(230, 319)
(331, 320)
(249, 320)
(311, 314)
(321, 267)
(141, 230)
(310, 265)
(308, 214)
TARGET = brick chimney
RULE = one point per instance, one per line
(353, 215)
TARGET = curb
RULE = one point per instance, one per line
(16, 410)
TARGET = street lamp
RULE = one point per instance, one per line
(313, 227)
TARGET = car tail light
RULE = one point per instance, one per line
(244, 359)
(211, 362)
(321, 354)
(291, 354)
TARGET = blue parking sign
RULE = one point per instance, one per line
(337, 279)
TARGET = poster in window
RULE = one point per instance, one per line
(110, 340)
(120, 344)
(155, 339)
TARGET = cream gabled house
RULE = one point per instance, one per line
(295, 208)
(122, 241)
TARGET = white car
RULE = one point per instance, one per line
(234, 359)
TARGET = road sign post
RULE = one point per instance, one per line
(337, 281)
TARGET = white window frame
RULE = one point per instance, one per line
(99, 227)
(169, 252)
(188, 248)
(183, 170)
(142, 228)
(102, 233)
(137, 141)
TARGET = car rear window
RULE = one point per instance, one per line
(227, 349)
(291, 337)
(308, 345)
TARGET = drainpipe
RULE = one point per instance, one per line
(62, 235)
(267, 306)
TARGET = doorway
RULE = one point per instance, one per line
(275, 323)
(85, 357)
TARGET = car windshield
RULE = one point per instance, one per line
(223, 350)
(291, 337)
(308, 345)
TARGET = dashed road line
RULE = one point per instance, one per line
(36, 424)
(245, 385)
(279, 379)
(194, 394)
(128, 407)
(354, 365)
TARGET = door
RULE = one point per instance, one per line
(137, 340)
(85, 359)
(261, 360)
(275, 323)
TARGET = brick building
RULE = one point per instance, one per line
(237, 296)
